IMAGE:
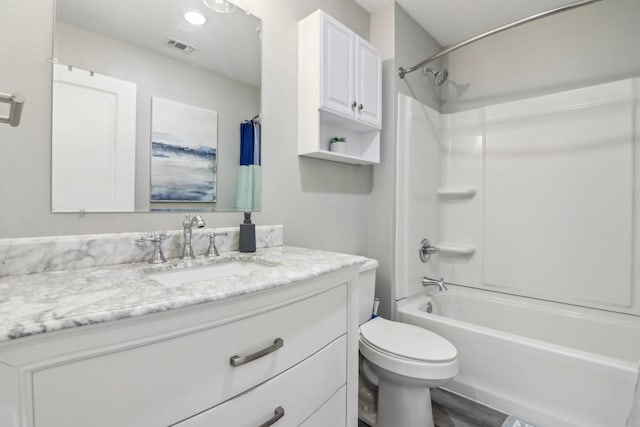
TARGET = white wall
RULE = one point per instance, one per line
(321, 204)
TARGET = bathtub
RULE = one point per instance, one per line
(552, 364)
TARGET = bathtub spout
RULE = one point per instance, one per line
(427, 281)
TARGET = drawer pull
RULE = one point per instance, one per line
(241, 360)
(277, 414)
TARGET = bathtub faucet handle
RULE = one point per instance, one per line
(426, 250)
(440, 283)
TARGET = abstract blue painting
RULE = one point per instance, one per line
(184, 144)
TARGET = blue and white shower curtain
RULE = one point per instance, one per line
(249, 185)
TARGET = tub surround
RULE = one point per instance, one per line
(42, 254)
(539, 363)
(48, 301)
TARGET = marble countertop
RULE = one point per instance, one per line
(43, 302)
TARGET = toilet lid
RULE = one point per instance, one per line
(407, 341)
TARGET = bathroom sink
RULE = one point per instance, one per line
(204, 272)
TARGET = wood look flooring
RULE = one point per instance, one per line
(451, 410)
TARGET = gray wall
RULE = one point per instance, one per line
(593, 44)
(413, 45)
(322, 204)
(164, 77)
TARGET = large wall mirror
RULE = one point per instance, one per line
(155, 106)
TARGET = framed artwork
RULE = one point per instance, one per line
(184, 144)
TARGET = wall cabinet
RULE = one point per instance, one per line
(339, 91)
(174, 368)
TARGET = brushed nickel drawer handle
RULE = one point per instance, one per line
(241, 360)
(277, 414)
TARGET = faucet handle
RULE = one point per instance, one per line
(156, 237)
(213, 249)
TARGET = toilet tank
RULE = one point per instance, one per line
(366, 289)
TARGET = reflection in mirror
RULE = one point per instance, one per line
(184, 142)
(112, 59)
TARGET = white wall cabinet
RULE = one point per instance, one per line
(338, 68)
(368, 82)
(339, 91)
(175, 367)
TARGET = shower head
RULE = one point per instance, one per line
(439, 77)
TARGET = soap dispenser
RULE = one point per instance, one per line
(247, 235)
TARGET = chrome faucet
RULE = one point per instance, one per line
(187, 225)
(427, 281)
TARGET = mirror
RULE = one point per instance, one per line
(151, 112)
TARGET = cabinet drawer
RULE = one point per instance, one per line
(298, 393)
(333, 413)
(165, 382)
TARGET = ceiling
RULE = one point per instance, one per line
(453, 21)
(228, 44)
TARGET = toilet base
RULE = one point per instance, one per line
(400, 405)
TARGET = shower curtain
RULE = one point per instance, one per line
(249, 184)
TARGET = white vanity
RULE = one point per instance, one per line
(110, 346)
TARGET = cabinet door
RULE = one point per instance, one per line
(337, 88)
(368, 82)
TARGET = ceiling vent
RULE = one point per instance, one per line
(182, 46)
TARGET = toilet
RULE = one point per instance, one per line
(402, 360)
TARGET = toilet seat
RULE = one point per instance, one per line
(407, 341)
(408, 350)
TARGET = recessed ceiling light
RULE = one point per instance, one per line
(194, 17)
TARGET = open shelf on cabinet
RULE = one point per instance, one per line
(339, 92)
(337, 157)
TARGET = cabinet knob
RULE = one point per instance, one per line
(354, 104)
(360, 107)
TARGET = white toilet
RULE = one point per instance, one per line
(403, 360)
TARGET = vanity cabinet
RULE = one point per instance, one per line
(339, 91)
(176, 367)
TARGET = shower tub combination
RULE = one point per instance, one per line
(552, 364)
